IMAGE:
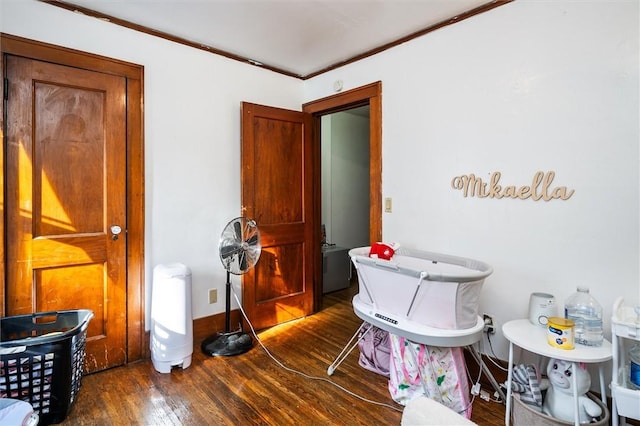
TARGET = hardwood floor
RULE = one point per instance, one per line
(253, 389)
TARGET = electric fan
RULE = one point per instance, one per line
(239, 249)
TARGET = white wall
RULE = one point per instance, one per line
(345, 179)
(326, 175)
(529, 86)
(192, 133)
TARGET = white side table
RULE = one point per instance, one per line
(534, 339)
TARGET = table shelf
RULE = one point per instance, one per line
(533, 338)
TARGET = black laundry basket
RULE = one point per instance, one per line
(42, 359)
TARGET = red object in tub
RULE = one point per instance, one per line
(382, 250)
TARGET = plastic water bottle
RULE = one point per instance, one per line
(634, 366)
(586, 312)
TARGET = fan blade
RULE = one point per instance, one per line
(243, 261)
(229, 250)
(238, 229)
(252, 240)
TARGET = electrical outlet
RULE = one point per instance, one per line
(489, 325)
(213, 295)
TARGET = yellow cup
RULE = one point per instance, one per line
(560, 333)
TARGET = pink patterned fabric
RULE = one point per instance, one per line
(438, 373)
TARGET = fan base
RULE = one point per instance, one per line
(227, 344)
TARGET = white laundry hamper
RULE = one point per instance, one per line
(171, 321)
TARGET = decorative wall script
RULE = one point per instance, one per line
(540, 189)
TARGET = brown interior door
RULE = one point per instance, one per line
(66, 183)
(277, 194)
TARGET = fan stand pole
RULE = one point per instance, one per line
(227, 315)
(228, 343)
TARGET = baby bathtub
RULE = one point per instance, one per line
(436, 290)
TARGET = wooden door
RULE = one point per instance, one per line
(277, 192)
(66, 189)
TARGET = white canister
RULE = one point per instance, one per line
(541, 307)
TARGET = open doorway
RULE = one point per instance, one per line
(344, 138)
(369, 96)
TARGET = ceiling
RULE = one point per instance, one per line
(296, 37)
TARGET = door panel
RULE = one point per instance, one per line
(282, 266)
(66, 185)
(277, 194)
(82, 279)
